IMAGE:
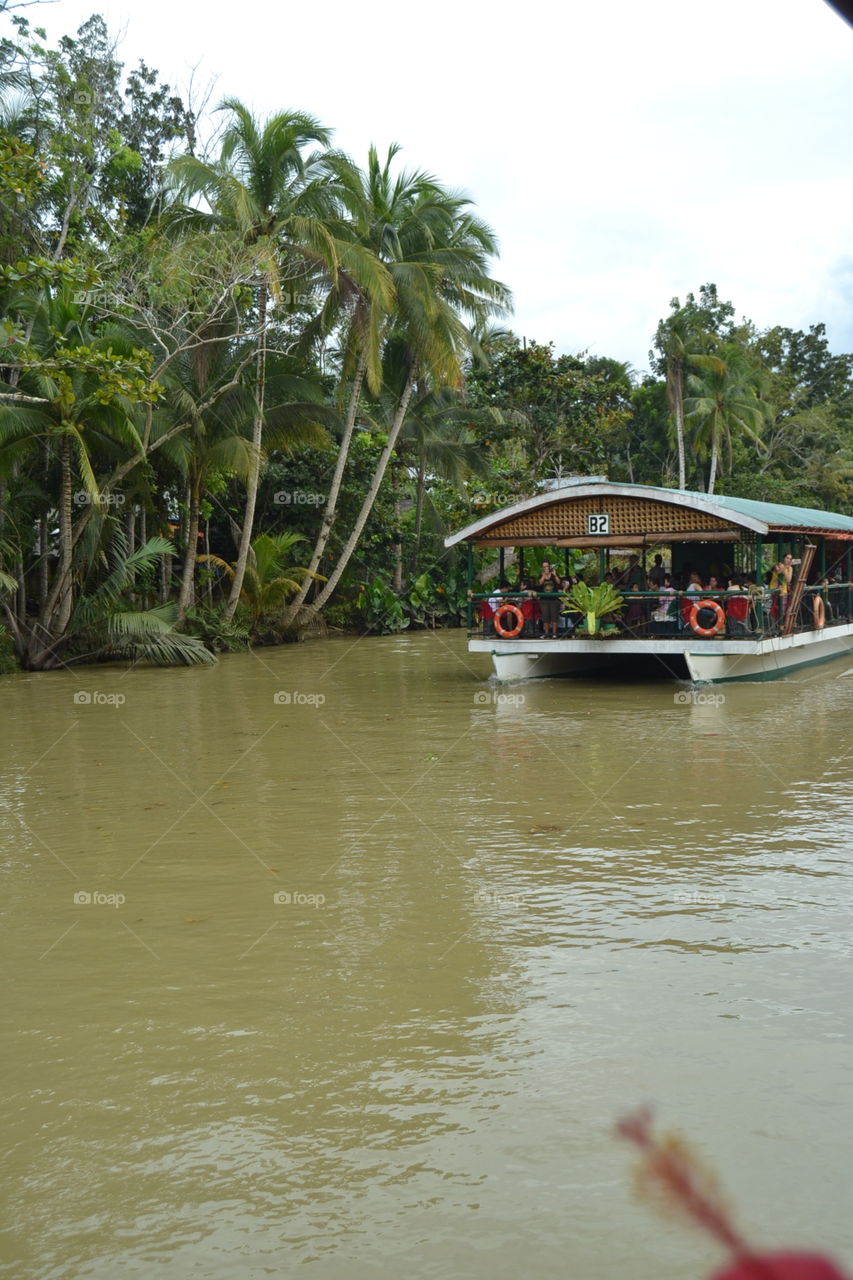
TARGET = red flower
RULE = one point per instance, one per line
(781, 1266)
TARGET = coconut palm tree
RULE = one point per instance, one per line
(724, 402)
(263, 189)
(207, 389)
(674, 340)
(76, 401)
(437, 254)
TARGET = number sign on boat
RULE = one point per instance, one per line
(598, 524)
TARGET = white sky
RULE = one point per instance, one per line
(624, 150)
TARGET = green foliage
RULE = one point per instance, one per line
(8, 662)
(217, 634)
(379, 609)
(600, 600)
(106, 623)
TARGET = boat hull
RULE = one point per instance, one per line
(711, 661)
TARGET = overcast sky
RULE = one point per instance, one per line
(624, 150)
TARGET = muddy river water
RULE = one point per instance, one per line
(339, 961)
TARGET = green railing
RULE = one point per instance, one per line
(765, 616)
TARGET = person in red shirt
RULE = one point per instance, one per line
(530, 609)
(737, 607)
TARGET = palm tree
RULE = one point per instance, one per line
(674, 340)
(268, 581)
(437, 254)
(264, 190)
(724, 402)
(76, 401)
(105, 623)
(205, 388)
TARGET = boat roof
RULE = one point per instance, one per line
(744, 513)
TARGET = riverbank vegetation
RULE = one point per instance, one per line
(248, 382)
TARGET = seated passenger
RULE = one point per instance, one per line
(665, 616)
(737, 607)
(694, 586)
(530, 609)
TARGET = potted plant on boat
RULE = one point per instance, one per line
(596, 603)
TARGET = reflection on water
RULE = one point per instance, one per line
(367, 971)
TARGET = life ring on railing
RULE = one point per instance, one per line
(719, 618)
(506, 632)
(819, 610)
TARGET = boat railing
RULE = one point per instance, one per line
(654, 614)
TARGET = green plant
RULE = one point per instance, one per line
(8, 662)
(595, 603)
(215, 631)
(381, 609)
(267, 583)
(106, 624)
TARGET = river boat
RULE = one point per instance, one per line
(804, 620)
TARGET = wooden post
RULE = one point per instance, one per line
(795, 595)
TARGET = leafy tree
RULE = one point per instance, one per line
(262, 188)
(724, 402)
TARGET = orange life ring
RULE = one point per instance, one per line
(819, 612)
(694, 616)
(505, 632)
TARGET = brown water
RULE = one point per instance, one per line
(509, 922)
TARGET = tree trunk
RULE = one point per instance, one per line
(678, 407)
(21, 595)
(420, 491)
(209, 571)
(65, 598)
(334, 492)
(44, 578)
(186, 598)
(397, 584)
(255, 473)
(712, 474)
(367, 505)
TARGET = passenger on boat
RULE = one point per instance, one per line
(549, 599)
(634, 579)
(566, 621)
(693, 586)
(530, 609)
(657, 573)
(665, 616)
(737, 608)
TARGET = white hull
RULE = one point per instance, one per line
(702, 660)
